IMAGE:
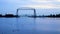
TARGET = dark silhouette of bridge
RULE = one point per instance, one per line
(27, 9)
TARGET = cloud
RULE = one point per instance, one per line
(42, 6)
(45, 4)
(34, 3)
(40, 1)
(45, 0)
(58, 0)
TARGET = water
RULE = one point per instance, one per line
(26, 25)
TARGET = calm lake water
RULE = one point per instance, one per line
(26, 25)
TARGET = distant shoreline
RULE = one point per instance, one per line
(11, 15)
(8, 15)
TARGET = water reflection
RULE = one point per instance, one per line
(25, 25)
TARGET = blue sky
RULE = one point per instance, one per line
(12, 5)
